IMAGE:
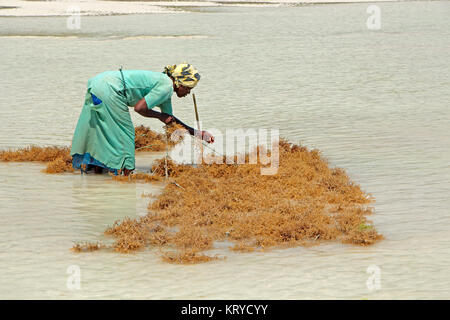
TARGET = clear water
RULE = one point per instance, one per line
(374, 102)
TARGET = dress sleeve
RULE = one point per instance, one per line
(166, 106)
(159, 94)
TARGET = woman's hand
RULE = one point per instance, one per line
(166, 118)
(206, 136)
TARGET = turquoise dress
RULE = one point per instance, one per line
(104, 135)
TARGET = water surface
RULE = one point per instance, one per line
(374, 102)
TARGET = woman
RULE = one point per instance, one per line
(104, 136)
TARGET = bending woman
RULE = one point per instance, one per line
(104, 135)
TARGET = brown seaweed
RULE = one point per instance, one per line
(149, 140)
(88, 247)
(305, 203)
(59, 160)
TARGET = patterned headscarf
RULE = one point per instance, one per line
(183, 74)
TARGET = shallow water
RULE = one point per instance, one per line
(374, 102)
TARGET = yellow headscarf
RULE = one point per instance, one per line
(183, 74)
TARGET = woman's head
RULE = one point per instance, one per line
(185, 77)
(182, 91)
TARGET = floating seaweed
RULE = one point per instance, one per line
(149, 140)
(138, 176)
(60, 165)
(187, 257)
(304, 203)
(35, 153)
(59, 160)
(88, 246)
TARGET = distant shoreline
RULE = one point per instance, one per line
(33, 8)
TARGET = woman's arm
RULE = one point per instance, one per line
(205, 135)
(142, 109)
(171, 118)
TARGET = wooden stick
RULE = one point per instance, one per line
(198, 125)
(196, 112)
(167, 153)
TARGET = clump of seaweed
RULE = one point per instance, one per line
(138, 176)
(60, 165)
(132, 234)
(304, 203)
(187, 257)
(149, 140)
(242, 247)
(59, 160)
(35, 153)
(173, 169)
(88, 246)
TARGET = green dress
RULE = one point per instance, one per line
(105, 130)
